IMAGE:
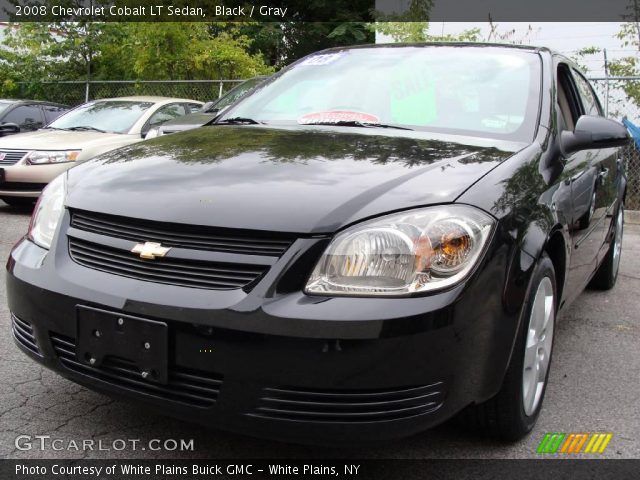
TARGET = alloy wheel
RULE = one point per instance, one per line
(537, 352)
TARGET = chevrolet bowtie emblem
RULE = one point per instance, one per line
(150, 250)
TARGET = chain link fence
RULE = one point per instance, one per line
(76, 92)
(613, 93)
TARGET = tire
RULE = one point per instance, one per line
(607, 273)
(18, 201)
(512, 413)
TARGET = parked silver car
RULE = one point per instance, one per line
(28, 161)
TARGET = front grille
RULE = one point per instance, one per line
(22, 186)
(349, 406)
(11, 157)
(192, 387)
(246, 242)
(171, 271)
(23, 334)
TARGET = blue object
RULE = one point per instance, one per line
(634, 130)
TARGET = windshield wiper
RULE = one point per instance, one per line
(239, 121)
(356, 123)
(84, 127)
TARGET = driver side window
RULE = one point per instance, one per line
(27, 117)
(568, 106)
(166, 113)
(590, 102)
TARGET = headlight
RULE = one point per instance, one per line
(39, 157)
(48, 212)
(408, 252)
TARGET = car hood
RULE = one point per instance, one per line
(313, 180)
(49, 139)
(187, 122)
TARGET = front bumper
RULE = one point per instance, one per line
(28, 181)
(284, 365)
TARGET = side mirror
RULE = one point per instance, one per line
(207, 106)
(593, 132)
(151, 133)
(8, 129)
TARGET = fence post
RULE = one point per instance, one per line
(220, 90)
(86, 92)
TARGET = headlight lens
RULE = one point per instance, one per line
(48, 212)
(408, 252)
(40, 157)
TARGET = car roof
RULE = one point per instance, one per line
(532, 48)
(147, 98)
(31, 102)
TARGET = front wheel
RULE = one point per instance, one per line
(513, 412)
(607, 273)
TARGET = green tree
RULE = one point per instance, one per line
(36, 52)
(186, 51)
(629, 36)
(282, 43)
(416, 32)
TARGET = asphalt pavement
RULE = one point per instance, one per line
(594, 387)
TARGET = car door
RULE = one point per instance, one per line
(27, 117)
(581, 174)
(606, 165)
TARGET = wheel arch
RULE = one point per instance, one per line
(556, 249)
(556, 244)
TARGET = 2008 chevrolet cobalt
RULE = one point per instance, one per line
(376, 240)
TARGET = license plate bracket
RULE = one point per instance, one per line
(103, 334)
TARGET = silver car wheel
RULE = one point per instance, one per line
(537, 351)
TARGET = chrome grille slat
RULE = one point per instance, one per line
(187, 273)
(182, 235)
(354, 405)
(23, 334)
(11, 157)
(167, 264)
(349, 406)
(384, 414)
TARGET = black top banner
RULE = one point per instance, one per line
(319, 10)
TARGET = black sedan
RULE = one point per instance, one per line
(27, 115)
(343, 256)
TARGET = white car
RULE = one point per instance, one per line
(28, 161)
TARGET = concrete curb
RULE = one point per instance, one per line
(632, 217)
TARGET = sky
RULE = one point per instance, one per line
(566, 37)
